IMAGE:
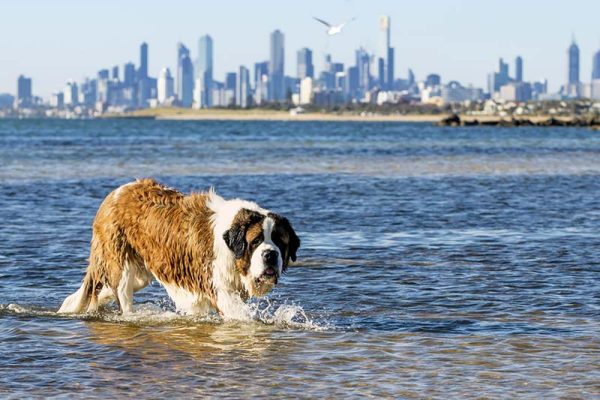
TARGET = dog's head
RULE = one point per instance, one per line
(263, 245)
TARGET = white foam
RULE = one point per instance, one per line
(262, 310)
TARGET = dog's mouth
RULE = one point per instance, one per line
(269, 276)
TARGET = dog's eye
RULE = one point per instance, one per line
(257, 241)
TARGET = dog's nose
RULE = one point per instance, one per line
(270, 257)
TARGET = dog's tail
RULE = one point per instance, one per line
(85, 298)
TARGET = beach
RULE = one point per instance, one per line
(270, 115)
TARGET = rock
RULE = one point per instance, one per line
(452, 120)
(473, 122)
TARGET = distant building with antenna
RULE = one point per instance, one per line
(386, 60)
(572, 89)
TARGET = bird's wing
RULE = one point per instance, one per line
(346, 23)
(323, 22)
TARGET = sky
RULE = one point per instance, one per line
(54, 41)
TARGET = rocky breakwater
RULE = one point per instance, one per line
(592, 122)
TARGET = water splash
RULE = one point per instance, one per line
(265, 311)
(284, 315)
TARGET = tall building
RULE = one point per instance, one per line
(386, 53)
(87, 92)
(181, 52)
(231, 88)
(276, 67)
(519, 69)
(596, 66)
(102, 87)
(204, 69)
(70, 94)
(573, 55)
(572, 88)
(231, 81)
(498, 79)
(115, 73)
(164, 86)
(185, 84)
(24, 92)
(390, 68)
(129, 74)
(145, 85)
(57, 100)
(261, 82)
(351, 89)
(410, 80)
(243, 87)
(306, 91)
(103, 74)
(363, 61)
(261, 69)
(143, 71)
(305, 63)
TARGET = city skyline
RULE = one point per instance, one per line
(456, 41)
(369, 80)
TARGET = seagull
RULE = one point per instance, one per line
(333, 29)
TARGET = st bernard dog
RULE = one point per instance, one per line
(209, 253)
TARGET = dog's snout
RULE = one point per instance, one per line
(270, 257)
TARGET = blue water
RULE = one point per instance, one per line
(435, 262)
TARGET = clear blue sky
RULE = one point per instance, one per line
(56, 40)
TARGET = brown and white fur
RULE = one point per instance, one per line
(208, 252)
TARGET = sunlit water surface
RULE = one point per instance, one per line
(435, 262)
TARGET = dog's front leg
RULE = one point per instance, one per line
(231, 306)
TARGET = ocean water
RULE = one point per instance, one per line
(435, 262)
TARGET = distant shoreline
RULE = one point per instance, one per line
(180, 114)
(184, 114)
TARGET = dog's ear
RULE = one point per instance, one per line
(294, 244)
(235, 237)
(293, 239)
(236, 241)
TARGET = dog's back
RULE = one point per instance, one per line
(141, 230)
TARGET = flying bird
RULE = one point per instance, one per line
(333, 29)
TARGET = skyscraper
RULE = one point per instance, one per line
(595, 84)
(231, 88)
(164, 86)
(390, 68)
(261, 81)
(115, 72)
(144, 84)
(181, 52)
(71, 94)
(572, 89)
(24, 96)
(243, 87)
(573, 55)
(596, 66)
(129, 74)
(205, 69)
(386, 52)
(498, 79)
(185, 85)
(276, 67)
(305, 63)
(364, 74)
(143, 71)
(519, 69)
(102, 87)
(351, 88)
(411, 78)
